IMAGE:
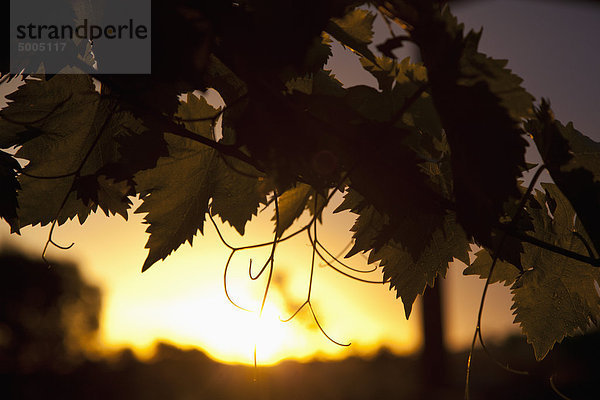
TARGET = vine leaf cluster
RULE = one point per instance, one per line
(431, 161)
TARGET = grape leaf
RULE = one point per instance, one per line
(291, 206)
(318, 54)
(354, 30)
(320, 83)
(409, 277)
(67, 130)
(573, 161)
(367, 225)
(479, 103)
(503, 271)
(111, 195)
(315, 204)
(556, 296)
(383, 69)
(178, 190)
(229, 85)
(413, 215)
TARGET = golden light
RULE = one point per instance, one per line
(182, 301)
(270, 335)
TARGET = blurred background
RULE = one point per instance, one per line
(92, 326)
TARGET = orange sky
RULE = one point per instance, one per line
(182, 300)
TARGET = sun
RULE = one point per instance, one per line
(205, 319)
(269, 334)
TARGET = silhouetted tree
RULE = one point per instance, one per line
(48, 315)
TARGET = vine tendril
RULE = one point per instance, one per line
(336, 259)
(477, 334)
(308, 302)
(49, 240)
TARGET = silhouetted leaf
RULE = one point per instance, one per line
(573, 161)
(67, 130)
(354, 30)
(178, 190)
(479, 103)
(556, 296)
(383, 69)
(110, 195)
(8, 188)
(291, 206)
(408, 276)
(139, 149)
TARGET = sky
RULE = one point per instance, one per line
(551, 45)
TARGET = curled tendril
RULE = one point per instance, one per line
(271, 259)
(62, 247)
(295, 312)
(307, 302)
(337, 260)
(76, 173)
(262, 270)
(50, 241)
(323, 330)
(314, 242)
(225, 283)
(269, 264)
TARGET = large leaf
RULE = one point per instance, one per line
(408, 123)
(179, 189)
(66, 131)
(556, 296)
(409, 277)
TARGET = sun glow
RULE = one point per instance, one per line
(181, 300)
(270, 334)
(231, 334)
